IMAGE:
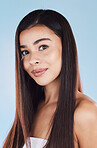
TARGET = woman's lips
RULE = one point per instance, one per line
(39, 72)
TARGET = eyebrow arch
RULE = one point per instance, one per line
(23, 46)
(42, 39)
(36, 42)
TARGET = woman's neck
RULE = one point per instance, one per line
(52, 91)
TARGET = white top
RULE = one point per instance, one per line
(36, 142)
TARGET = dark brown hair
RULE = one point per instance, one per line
(29, 93)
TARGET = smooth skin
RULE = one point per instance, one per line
(41, 48)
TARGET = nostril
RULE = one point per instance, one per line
(34, 60)
(37, 62)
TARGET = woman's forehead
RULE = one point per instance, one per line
(36, 33)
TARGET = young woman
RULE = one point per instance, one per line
(51, 110)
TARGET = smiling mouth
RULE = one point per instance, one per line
(39, 72)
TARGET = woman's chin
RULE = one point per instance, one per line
(42, 83)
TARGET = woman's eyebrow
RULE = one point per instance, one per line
(36, 42)
(23, 46)
(39, 40)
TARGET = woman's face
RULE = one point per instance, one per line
(41, 51)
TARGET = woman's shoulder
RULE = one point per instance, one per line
(85, 120)
(85, 107)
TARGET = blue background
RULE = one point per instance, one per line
(82, 16)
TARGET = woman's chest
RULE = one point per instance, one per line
(42, 122)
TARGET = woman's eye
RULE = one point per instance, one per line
(42, 47)
(23, 53)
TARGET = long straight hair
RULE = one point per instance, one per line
(29, 93)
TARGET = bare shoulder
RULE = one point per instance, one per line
(86, 108)
(85, 121)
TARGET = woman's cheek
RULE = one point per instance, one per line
(25, 65)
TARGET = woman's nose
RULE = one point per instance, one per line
(34, 59)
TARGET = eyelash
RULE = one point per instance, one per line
(44, 47)
(23, 52)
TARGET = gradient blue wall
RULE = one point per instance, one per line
(82, 16)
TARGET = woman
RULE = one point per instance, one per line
(50, 105)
